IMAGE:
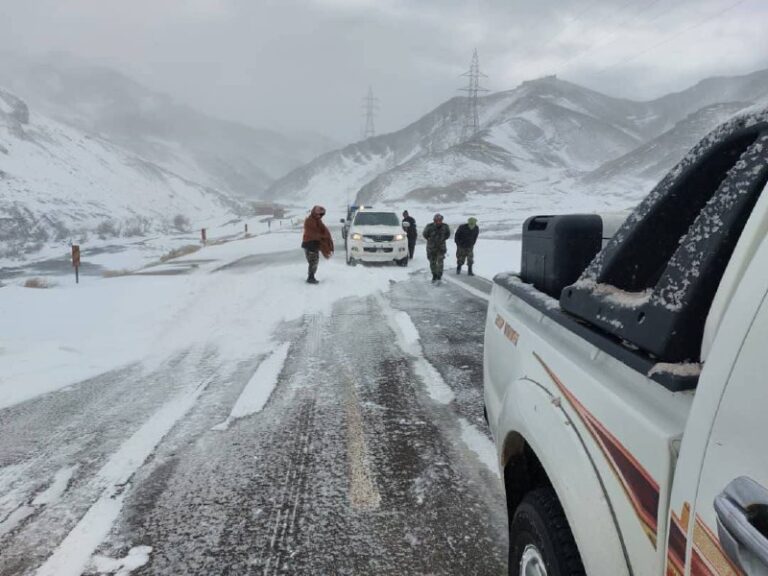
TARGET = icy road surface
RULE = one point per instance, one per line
(335, 429)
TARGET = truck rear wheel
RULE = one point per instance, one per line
(540, 540)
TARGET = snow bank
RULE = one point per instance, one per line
(259, 388)
(137, 557)
(407, 336)
(69, 333)
(496, 256)
(480, 444)
(56, 337)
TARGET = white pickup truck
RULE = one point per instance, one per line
(626, 380)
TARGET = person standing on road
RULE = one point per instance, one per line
(466, 236)
(317, 238)
(436, 234)
(411, 232)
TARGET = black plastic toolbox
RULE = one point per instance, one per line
(557, 249)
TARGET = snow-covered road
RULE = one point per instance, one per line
(267, 427)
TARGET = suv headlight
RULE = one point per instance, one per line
(399, 236)
(357, 236)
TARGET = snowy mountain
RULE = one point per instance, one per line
(336, 177)
(685, 118)
(225, 155)
(58, 183)
(672, 108)
(654, 159)
(546, 130)
(544, 127)
(549, 123)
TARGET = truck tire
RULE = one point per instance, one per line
(540, 540)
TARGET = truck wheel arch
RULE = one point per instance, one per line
(526, 465)
(522, 470)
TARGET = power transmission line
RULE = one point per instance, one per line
(472, 114)
(572, 21)
(674, 36)
(607, 40)
(370, 106)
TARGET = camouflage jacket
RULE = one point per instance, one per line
(436, 236)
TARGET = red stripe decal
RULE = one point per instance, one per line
(641, 489)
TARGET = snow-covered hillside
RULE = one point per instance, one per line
(229, 156)
(544, 131)
(547, 123)
(335, 177)
(57, 183)
(655, 158)
(544, 127)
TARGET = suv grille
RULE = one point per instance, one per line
(380, 238)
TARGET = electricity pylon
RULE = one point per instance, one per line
(472, 115)
(370, 106)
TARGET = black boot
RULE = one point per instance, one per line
(469, 270)
(311, 279)
(434, 278)
(458, 269)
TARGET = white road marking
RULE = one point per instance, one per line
(73, 555)
(363, 494)
(470, 289)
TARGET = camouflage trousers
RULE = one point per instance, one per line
(313, 257)
(467, 254)
(436, 258)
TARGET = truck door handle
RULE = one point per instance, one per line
(742, 524)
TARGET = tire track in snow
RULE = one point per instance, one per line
(83, 425)
(50, 495)
(282, 521)
(272, 495)
(283, 515)
(409, 340)
(73, 555)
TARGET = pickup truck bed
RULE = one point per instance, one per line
(607, 343)
(627, 403)
(636, 422)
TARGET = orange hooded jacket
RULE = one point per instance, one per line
(316, 234)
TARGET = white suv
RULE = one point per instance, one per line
(376, 236)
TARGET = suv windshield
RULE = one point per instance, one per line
(376, 219)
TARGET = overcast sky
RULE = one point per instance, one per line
(306, 64)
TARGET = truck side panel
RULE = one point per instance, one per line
(534, 415)
(624, 423)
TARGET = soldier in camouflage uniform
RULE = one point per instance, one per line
(436, 234)
(465, 238)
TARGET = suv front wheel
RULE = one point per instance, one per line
(540, 540)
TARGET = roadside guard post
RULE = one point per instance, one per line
(246, 230)
(76, 261)
(203, 235)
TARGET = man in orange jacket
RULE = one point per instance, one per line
(317, 239)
